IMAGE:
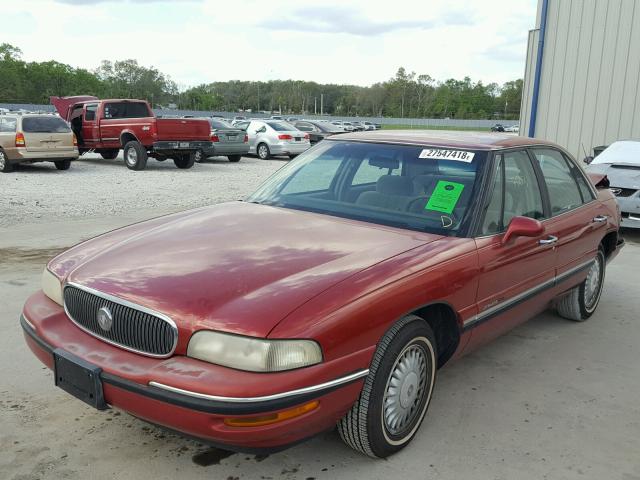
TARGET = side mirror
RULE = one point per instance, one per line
(522, 227)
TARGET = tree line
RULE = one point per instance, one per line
(407, 94)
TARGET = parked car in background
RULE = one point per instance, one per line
(332, 295)
(226, 140)
(512, 129)
(239, 118)
(274, 137)
(358, 126)
(276, 117)
(343, 126)
(316, 130)
(291, 119)
(106, 126)
(498, 127)
(620, 162)
(36, 138)
(369, 126)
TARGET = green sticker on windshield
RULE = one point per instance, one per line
(445, 196)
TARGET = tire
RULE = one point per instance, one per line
(63, 164)
(110, 154)
(581, 301)
(135, 155)
(5, 165)
(263, 151)
(369, 426)
(185, 161)
(234, 158)
(291, 157)
(199, 156)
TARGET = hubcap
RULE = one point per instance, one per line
(132, 156)
(263, 151)
(593, 283)
(198, 156)
(2, 160)
(405, 388)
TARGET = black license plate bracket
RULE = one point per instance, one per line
(78, 378)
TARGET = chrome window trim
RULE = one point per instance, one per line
(276, 396)
(532, 291)
(124, 303)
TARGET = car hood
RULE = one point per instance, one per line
(621, 176)
(236, 267)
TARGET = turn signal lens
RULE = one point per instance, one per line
(273, 418)
(215, 138)
(20, 140)
(306, 136)
(246, 138)
(285, 137)
(75, 140)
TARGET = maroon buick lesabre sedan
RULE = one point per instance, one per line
(332, 295)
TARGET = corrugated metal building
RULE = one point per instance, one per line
(582, 77)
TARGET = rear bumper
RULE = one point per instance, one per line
(170, 146)
(18, 155)
(174, 400)
(283, 148)
(227, 149)
(630, 220)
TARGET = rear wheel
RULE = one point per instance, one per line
(135, 155)
(263, 151)
(185, 161)
(5, 165)
(581, 302)
(396, 392)
(110, 154)
(291, 157)
(63, 164)
(234, 158)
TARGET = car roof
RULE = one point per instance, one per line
(444, 138)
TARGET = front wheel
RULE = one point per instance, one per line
(581, 302)
(185, 161)
(291, 157)
(135, 155)
(396, 392)
(63, 164)
(263, 152)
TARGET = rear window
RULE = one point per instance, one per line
(44, 125)
(281, 126)
(126, 110)
(219, 124)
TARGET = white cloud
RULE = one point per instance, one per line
(359, 42)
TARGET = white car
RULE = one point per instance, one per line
(369, 126)
(512, 129)
(274, 137)
(347, 127)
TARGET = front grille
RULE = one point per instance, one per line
(132, 328)
(623, 192)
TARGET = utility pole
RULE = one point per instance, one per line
(322, 104)
(315, 105)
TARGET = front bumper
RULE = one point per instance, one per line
(630, 220)
(223, 149)
(195, 397)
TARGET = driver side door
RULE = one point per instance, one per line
(515, 277)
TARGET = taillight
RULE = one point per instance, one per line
(246, 138)
(306, 136)
(215, 138)
(75, 140)
(285, 137)
(20, 140)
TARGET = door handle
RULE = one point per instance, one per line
(599, 219)
(549, 240)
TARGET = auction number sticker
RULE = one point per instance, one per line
(445, 154)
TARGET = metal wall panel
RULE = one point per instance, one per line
(590, 80)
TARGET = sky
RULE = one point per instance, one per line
(358, 42)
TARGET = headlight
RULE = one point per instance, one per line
(52, 287)
(253, 354)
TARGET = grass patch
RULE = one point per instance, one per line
(435, 127)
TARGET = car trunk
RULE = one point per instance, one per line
(229, 136)
(182, 129)
(296, 136)
(46, 134)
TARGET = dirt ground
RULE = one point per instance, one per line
(552, 399)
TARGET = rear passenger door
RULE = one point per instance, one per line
(515, 276)
(577, 221)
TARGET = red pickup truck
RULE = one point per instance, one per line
(106, 126)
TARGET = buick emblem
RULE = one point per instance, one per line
(105, 319)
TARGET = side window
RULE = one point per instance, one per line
(304, 126)
(7, 125)
(564, 193)
(515, 192)
(368, 173)
(90, 112)
(114, 110)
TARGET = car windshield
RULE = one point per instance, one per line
(219, 124)
(281, 126)
(48, 124)
(413, 187)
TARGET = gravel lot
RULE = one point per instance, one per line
(552, 399)
(94, 187)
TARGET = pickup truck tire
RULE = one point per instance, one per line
(110, 154)
(185, 161)
(135, 155)
(234, 158)
(5, 164)
(63, 164)
(263, 151)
